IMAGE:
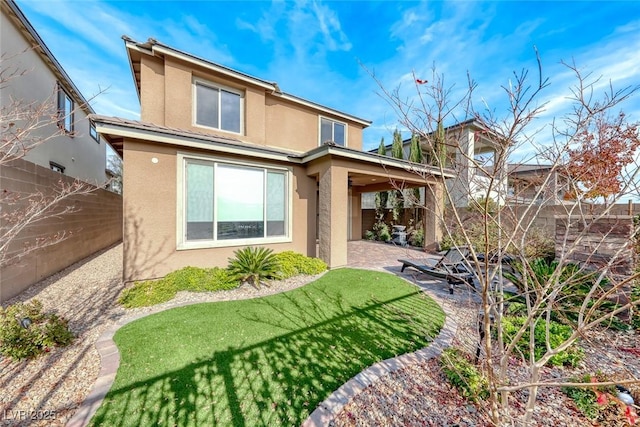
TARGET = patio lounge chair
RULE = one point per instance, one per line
(453, 266)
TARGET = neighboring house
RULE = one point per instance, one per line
(541, 184)
(80, 152)
(222, 160)
(471, 148)
(67, 150)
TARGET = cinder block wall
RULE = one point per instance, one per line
(597, 241)
(95, 224)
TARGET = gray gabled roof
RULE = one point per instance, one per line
(153, 47)
(115, 128)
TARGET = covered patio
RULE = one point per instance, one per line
(342, 175)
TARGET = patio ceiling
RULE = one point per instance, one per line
(371, 182)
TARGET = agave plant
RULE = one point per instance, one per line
(253, 265)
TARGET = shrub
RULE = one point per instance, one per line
(219, 279)
(369, 235)
(147, 293)
(584, 398)
(197, 279)
(558, 333)
(384, 235)
(599, 403)
(576, 286)
(539, 245)
(463, 375)
(291, 264)
(45, 331)
(194, 279)
(381, 230)
(253, 265)
(416, 238)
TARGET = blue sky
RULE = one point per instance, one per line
(317, 50)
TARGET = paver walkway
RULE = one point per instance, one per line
(361, 254)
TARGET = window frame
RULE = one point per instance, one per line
(220, 87)
(333, 123)
(93, 132)
(181, 207)
(57, 167)
(63, 114)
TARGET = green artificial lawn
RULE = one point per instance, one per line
(266, 361)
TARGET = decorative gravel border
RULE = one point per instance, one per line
(321, 416)
(333, 405)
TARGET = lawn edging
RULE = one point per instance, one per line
(109, 364)
(326, 411)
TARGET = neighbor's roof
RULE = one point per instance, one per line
(153, 47)
(515, 168)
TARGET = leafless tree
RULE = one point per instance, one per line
(25, 125)
(504, 231)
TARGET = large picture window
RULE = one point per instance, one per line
(332, 131)
(217, 107)
(229, 202)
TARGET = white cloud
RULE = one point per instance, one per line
(98, 22)
(329, 26)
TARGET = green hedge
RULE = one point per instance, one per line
(195, 279)
(292, 264)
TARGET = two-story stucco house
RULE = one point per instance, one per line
(222, 160)
(47, 141)
(36, 78)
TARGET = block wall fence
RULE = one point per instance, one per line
(95, 224)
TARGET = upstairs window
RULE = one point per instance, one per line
(94, 133)
(65, 110)
(332, 131)
(217, 107)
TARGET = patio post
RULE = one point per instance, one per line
(333, 216)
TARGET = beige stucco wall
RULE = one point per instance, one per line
(152, 92)
(81, 155)
(150, 213)
(269, 119)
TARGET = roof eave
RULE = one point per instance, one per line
(49, 58)
(154, 48)
(112, 129)
(367, 157)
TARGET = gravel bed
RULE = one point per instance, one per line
(51, 387)
(55, 384)
(421, 396)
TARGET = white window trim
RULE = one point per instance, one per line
(346, 129)
(181, 206)
(213, 85)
